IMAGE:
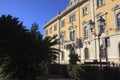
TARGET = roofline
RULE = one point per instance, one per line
(63, 13)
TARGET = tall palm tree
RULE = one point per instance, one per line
(23, 51)
(50, 53)
(16, 49)
(46, 50)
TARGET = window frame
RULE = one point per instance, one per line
(72, 18)
(103, 15)
(85, 10)
(118, 20)
(55, 27)
(62, 36)
(50, 29)
(86, 53)
(63, 23)
(46, 32)
(72, 35)
(63, 56)
(100, 3)
(86, 31)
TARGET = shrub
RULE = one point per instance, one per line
(79, 72)
(57, 69)
(111, 73)
(75, 71)
(73, 58)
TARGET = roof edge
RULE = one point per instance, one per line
(63, 13)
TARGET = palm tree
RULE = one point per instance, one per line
(46, 50)
(23, 51)
(16, 49)
(50, 53)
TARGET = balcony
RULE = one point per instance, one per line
(76, 43)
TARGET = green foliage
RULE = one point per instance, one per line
(75, 72)
(73, 58)
(111, 73)
(57, 69)
(23, 53)
(16, 49)
(49, 53)
(79, 72)
(45, 49)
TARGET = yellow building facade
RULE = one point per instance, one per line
(73, 27)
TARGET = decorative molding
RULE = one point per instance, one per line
(72, 27)
(86, 22)
(116, 7)
(64, 12)
(101, 14)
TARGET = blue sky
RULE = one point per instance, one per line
(30, 11)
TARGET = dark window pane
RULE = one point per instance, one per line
(118, 19)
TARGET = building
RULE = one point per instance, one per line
(73, 28)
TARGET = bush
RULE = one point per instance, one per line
(57, 69)
(74, 58)
(83, 72)
(111, 73)
(75, 71)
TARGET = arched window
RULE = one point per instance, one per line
(103, 51)
(86, 52)
(118, 19)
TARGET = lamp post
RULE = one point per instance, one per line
(101, 28)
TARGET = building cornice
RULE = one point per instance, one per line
(63, 13)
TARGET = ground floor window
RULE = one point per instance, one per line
(86, 52)
(63, 56)
(103, 51)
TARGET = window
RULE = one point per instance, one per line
(50, 29)
(46, 32)
(100, 3)
(62, 35)
(63, 56)
(86, 31)
(75, 1)
(85, 11)
(106, 42)
(118, 20)
(86, 53)
(103, 51)
(71, 3)
(72, 35)
(101, 25)
(62, 23)
(72, 18)
(55, 27)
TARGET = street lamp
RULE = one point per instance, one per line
(101, 28)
